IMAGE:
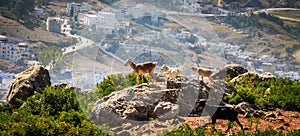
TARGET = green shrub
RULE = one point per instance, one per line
(268, 94)
(54, 112)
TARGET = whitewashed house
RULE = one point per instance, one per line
(151, 35)
(13, 52)
(78, 7)
(38, 12)
(142, 10)
(53, 24)
(90, 19)
(267, 59)
(107, 22)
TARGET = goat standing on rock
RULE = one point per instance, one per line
(171, 73)
(203, 72)
(142, 68)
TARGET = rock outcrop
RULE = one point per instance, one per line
(141, 104)
(230, 71)
(254, 75)
(26, 84)
(248, 110)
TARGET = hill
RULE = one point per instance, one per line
(263, 3)
(27, 32)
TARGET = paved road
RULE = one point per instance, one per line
(297, 55)
(269, 10)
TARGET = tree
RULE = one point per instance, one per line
(72, 11)
(22, 9)
(41, 2)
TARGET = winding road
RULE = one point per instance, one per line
(297, 55)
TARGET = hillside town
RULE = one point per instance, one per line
(116, 29)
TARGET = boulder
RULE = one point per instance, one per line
(230, 71)
(27, 83)
(256, 76)
(244, 108)
(141, 104)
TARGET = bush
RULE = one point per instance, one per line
(110, 84)
(54, 112)
(267, 94)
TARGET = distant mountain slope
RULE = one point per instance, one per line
(265, 3)
(12, 28)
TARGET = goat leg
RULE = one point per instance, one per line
(214, 121)
(137, 79)
(229, 126)
(240, 124)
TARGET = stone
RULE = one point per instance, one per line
(286, 124)
(258, 114)
(261, 77)
(142, 104)
(123, 133)
(27, 83)
(156, 125)
(230, 71)
(244, 108)
(281, 128)
(294, 116)
(280, 119)
(271, 115)
(279, 113)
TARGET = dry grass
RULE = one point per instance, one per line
(15, 29)
(287, 13)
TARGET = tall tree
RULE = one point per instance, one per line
(23, 8)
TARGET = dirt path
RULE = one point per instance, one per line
(288, 121)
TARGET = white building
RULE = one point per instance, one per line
(90, 19)
(38, 12)
(141, 10)
(5, 80)
(53, 24)
(106, 22)
(78, 7)
(13, 52)
(151, 35)
(267, 59)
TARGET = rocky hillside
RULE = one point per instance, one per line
(158, 107)
(149, 109)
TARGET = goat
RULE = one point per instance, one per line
(171, 72)
(203, 72)
(142, 68)
(222, 112)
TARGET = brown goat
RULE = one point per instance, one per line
(203, 72)
(142, 68)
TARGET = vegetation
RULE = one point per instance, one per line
(264, 3)
(242, 20)
(54, 112)
(49, 55)
(109, 2)
(107, 86)
(16, 9)
(267, 94)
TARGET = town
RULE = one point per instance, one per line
(116, 27)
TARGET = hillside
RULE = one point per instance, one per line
(27, 32)
(264, 3)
